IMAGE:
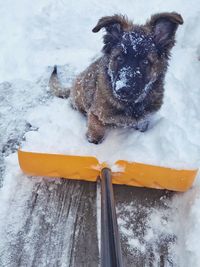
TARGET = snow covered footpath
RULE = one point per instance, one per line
(35, 36)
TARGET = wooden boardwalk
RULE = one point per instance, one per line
(59, 227)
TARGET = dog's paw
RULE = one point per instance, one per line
(94, 140)
(143, 126)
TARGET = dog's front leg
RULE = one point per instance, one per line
(96, 130)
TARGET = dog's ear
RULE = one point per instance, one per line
(117, 23)
(164, 26)
(114, 26)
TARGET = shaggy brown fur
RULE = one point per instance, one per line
(124, 86)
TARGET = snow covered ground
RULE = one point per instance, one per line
(39, 34)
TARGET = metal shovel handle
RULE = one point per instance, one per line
(110, 242)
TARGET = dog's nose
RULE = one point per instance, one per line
(123, 92)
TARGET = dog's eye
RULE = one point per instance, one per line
(120, 59)
(145, 62)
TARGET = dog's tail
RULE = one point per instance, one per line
(56, 87)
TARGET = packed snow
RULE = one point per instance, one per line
(39, 34)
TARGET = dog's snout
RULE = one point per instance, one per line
(124, 91)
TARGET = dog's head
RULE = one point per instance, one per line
(137, 55)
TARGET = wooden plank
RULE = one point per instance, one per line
(135, 206)
(59, 226)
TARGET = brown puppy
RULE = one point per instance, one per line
(125, 85)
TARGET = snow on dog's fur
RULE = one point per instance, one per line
(125, 85)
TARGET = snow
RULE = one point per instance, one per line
(62, 130)
(39, 34)
(122, 82)
(147, 89)
(137, 40)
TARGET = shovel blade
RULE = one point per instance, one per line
(144, 175)
(56, 165)
(88, 169)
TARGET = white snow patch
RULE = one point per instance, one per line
(146, 90)
(122, 82)
(117, 168)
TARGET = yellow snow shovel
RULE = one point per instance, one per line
(88, 168)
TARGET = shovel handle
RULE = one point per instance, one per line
(110, 242)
